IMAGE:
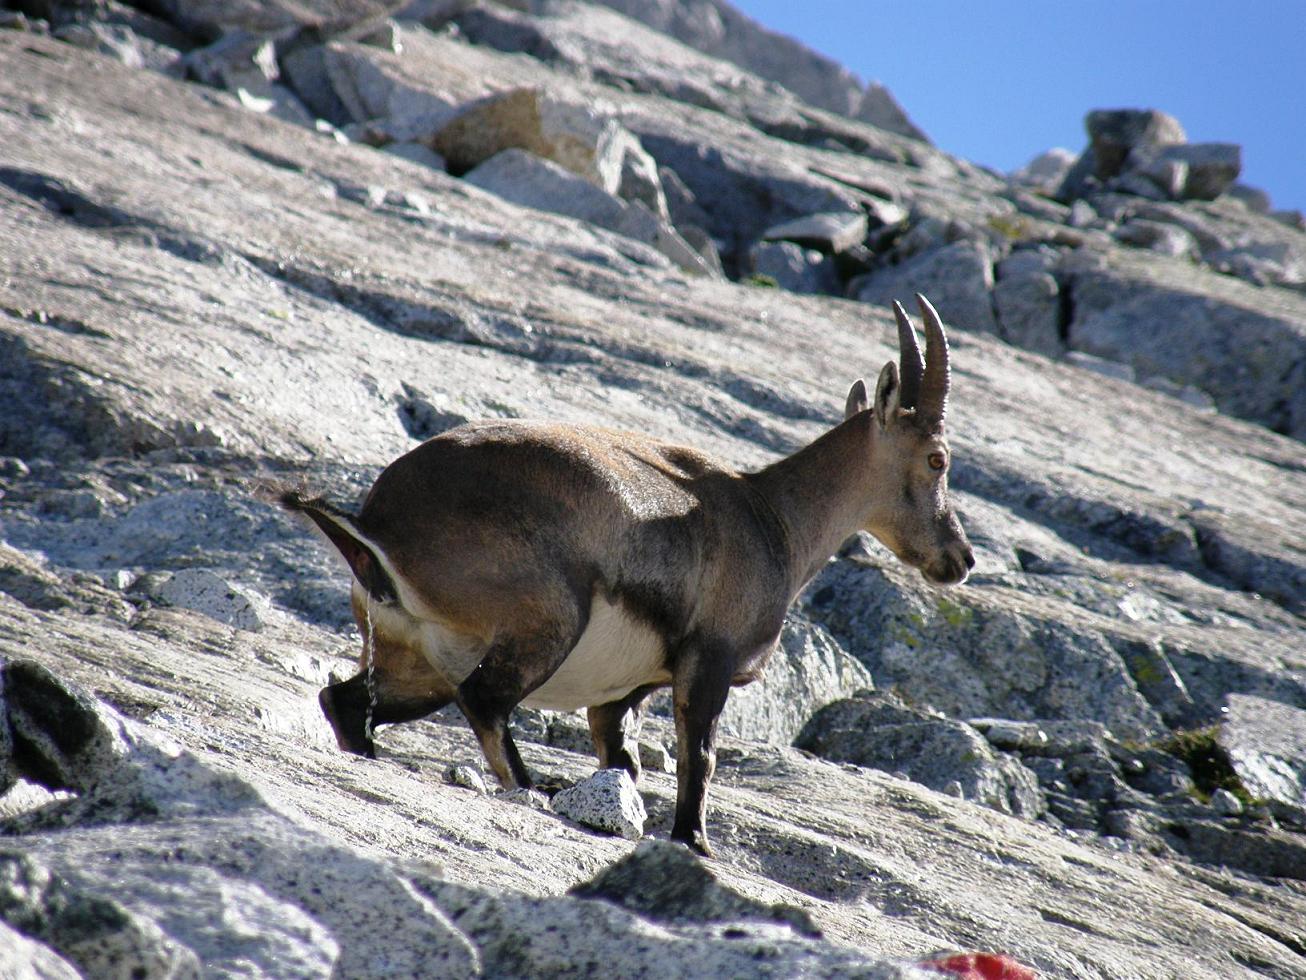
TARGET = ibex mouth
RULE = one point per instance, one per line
(950, 569)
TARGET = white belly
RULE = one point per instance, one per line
(616, 654)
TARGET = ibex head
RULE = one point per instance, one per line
(912, 514)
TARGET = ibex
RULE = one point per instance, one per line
(558, 566)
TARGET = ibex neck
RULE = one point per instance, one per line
(820, 494)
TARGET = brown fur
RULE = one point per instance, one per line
(500, 538)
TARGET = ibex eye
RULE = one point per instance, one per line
(937, 461)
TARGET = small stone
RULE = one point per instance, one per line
(467, 777)
(953, 788)
(1226, 804)
(416, 153)
(1010, 735)
(1100, 365)
(531, 798)
(606, 801)
(654, 757)
(797, 269)
(386, 37)
(207, 592)
(827, 232)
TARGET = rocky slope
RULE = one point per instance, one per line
(286, 241)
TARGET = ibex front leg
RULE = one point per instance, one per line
(700, 683)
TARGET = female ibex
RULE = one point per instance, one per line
(556, 566)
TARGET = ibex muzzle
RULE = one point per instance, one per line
(507, 562)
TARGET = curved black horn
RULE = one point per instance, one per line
(911, 366)
(933, 403)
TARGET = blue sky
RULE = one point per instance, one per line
(999, 81)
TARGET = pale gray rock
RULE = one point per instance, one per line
(1166, 239)
(163, 349)
(521, 935)
(973, 660)
(118, 41)
(214, 18)
(640, 181)
(368, 87)
(531, 799)
(1101, 365)
(742, 196)
(1248, 355)
(1029, 311)
(829, 232)
(797, 269)
(97, 934)
(1115, 134)
(1264, 263)
(1226, 803)
(417, 153)
(433, 13)
(304, 68)
(1117, 138)
(957, 278)
(879, 731)
(207, 592)
(807, 671)
(1189, 394)
(722, 31)
(24, 958)
(523, 178)
(467, 777)
(1265, 742)
(574, 136)
(654, 757)
(1047, 170)
(667, 883)
(54, 734)
(275, 100)
(606, 801)
(1210, 168)
(1008, 736)
(238, 60)
(1253, 198)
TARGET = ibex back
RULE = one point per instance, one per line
(558, 566)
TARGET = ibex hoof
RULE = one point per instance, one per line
(696, 841)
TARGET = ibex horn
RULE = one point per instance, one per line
(911, 366)
(933, 403)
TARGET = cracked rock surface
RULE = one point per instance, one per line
(197, 296)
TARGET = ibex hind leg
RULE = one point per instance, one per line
(345, 706)
(512, 668)
(612, 732)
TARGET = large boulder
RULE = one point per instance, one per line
(1249, 356)
(807, 671)
(880, 731)
(720, 30)
(1265, 742)
(1146, 152)
(957, 277)
(574, 136)
(523, 178)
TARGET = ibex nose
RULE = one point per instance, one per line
(969, 558)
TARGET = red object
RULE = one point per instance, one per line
(981, 966)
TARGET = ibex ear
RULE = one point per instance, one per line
(887, 393)
(857, 399)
